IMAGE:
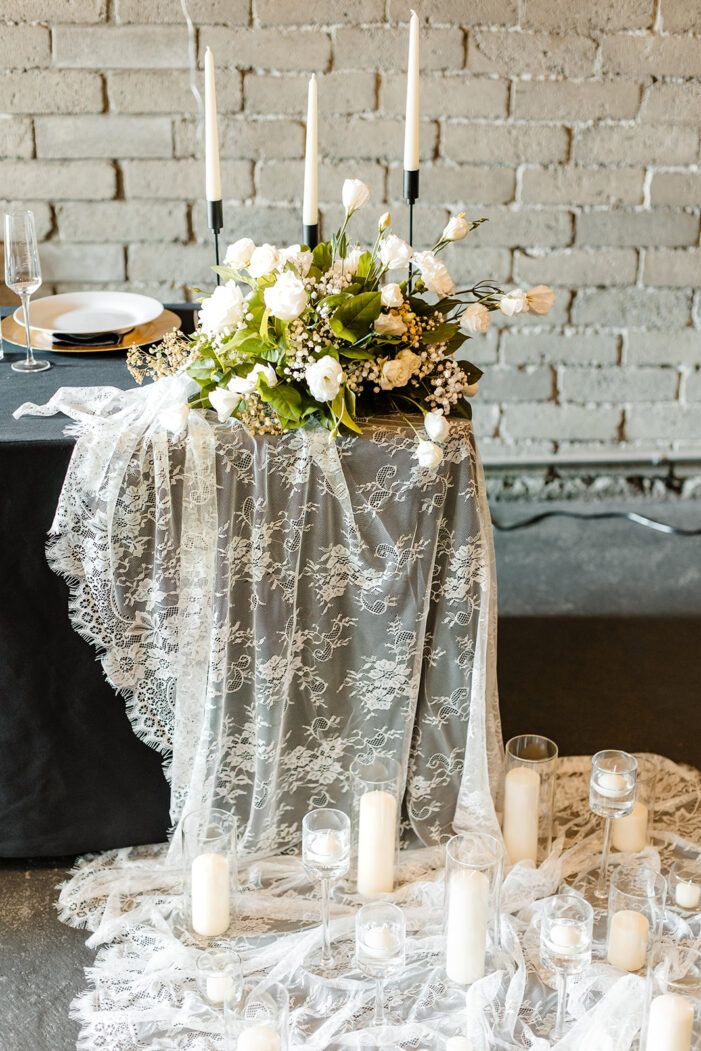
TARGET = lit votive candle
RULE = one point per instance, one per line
(380, 941)
(687, 895)
(326, 846)
(627, 942)
(220, 988)
(565, 938)
(671, 1023)
(210, 895)
(520, 825)
(630, 832)
(466, 926)
(612, 785)
(376, 843)
(259, 1038)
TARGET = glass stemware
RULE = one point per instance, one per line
(326, 841)
(566, 945)
(23, 276)
(380, 937)
(611, 796)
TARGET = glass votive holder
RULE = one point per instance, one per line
(376, 788)
(631, 833)
(565, 945)
(473, 871)
(219, 976)
(529, 795)
(210, 877)
(635, 916)
(674, 1015)
(259, 1020)
(380, 946)
(326, 843)
(685, 886)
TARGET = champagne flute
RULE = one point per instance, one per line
(23, 275)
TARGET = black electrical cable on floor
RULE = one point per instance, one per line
(631, 516)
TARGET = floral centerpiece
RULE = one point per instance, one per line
(329, 336)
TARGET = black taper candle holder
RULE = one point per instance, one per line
(215, 221)
(411, 194)
(311, 235)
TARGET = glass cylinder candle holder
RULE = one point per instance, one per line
(685, 886)
(259, 1019)
(635, 916)
(210, 876)
(565, 945)
(674, 1015)
(326, 842)
(611, 796)
(529, 795)
(631, 834)
(376, 788)
(219, 976)
(473, 870)
(380, 939)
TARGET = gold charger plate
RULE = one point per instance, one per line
(142, 334)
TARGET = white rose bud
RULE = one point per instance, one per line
(263, 260)
(384, 222)
(391, 295)
(395, 373)
(354, 195)
(223, 402)
(475, 318)
(302, 261)
(394, 252)
(243, 385)
(436, 426)
(540, 300)
(287, 298)
(428, 454)
(435, 274)
(324, 378)
(513, 302)
(238, 255)
(389, 325)
(456, 228)
(223, 310)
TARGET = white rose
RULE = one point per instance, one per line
(223, 401)
(239, 253)
(350, 263)
(264, 259)
(299, 259)
(384, 221)
(428, 454)
(223, 309)
(324, 378)
(175, 418)
(394, 252)
(435, 274)
(436, 426)
(389, 325)
(243, 385)
(475, 318)
(354, 195)
(391, 295)
(411, 360)
(456, 228)
(394, 374)
(513, 302)
(287, 298)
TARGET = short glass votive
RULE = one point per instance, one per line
(631, 834)
(380, 939)
(210, 876)
(529, 796)
(673, 1020)
(685, 886)
(565, 945)
(376, 788)
(259, 1020)
(326, 843)
(635, 916)
(473, 871)
(219, 976)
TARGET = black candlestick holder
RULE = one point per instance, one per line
(411, 195)
(311, 235)
(215, 221)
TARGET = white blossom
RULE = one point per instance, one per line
(389, 325)
(411, 360)
(513, 302)
(324, 378)
(471, 390)
(349, 264)
(540, 300)
(395, 252)
(301, 260)
(223, 401)
(436, 426)
(243, 385)
(223, 309)
(475, 318)
(435, 274)
(428, 454)
(384, 221)
(395, 373)
(238, 255)
(287, 298)
(391, 295)
(175, 418)
(264, 259)
(354, 195)
(456, 228)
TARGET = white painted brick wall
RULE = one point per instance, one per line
(573, 127)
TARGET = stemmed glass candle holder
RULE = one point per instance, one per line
(376, 805)
(674, 1017)
(219, 976)
(565, 945)
(529, 791)
(611, 796)
(259, 1019)
(326, 841)
(23, 276)
(685, 886)
(473, 869)
(210, 870)
(631, 834)
(635, 915)
(380, 936)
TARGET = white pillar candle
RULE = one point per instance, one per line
(220, 988)
(411, 127)
(630, 832)
(671, 1023)
(459, 1043)
(210, 894)
(627, 942)
(466, 926)
(377, 833)
(687, 895)
(521, 794)
(310, 204)
(259, 1038)
(211, 132)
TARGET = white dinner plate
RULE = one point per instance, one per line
(89, 313)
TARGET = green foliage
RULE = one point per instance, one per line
(354, 317)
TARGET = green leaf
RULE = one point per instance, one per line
(322, 256)
(356, 353)
(264, 335)
(440, 334)
(284, 399)
(334, 300)
(364, 268)
(454, 344)
(354, 318)
(340, 411)
(472, 373)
